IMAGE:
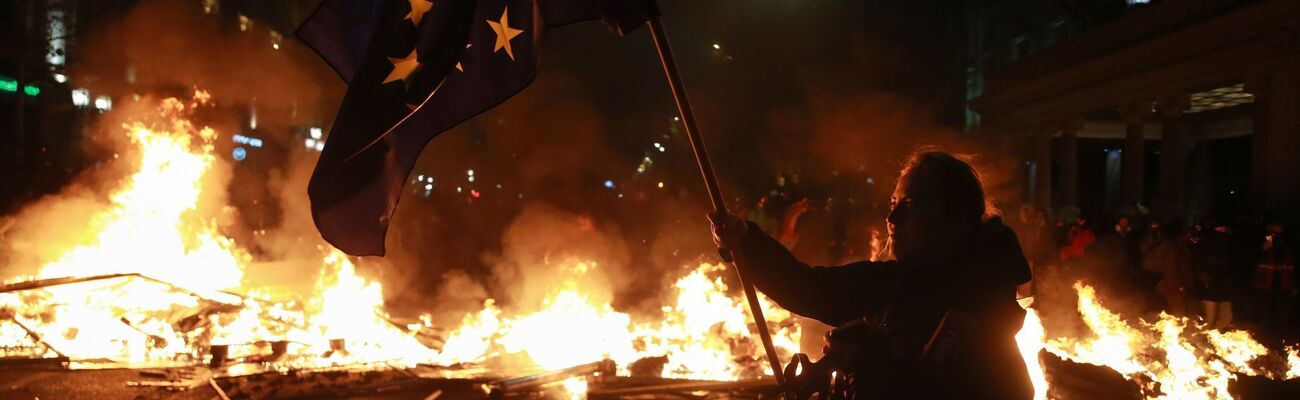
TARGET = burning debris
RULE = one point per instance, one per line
(152, 285)
(1171, 358)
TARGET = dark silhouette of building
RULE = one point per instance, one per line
(1186, 107)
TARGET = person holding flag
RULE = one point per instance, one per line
(939, 321)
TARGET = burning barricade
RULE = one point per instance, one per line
(149, 284)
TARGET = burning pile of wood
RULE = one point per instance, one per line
(34, 366)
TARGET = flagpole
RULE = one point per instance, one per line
(710, 180)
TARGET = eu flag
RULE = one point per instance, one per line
(416, 68)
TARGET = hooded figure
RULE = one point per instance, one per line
(947, 302)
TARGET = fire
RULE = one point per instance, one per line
(1030, 341)
(1171, 358)
(152, 281)
(702, 335)
(150, 227)
(181, 276)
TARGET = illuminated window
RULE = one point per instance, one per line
(56, 33)
(1224, 97)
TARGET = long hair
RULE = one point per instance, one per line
(960, 183)
(963, 191)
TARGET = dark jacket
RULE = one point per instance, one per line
(984, 362)
(1213, 268)
(1173, 262)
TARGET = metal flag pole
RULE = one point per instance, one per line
(710, 180)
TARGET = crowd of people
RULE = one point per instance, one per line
(1230, 273)
(1238, 273)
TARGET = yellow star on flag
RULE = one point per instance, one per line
(403, 67)
(504, 33)
(418, 8)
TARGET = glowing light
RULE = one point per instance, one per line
(80, 97)
(314, 132)
(239, 154)
(717, 46)
(103, 103)
(609, 184)
(248, 140)
(661, 185)
(60, 78)
(428, 186)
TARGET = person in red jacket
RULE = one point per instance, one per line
(954, 277)
(1078, 240)
(1274, 280)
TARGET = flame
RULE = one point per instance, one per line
(182, 267)
(1030, 341)
(152, 213)
(1171, 358)
(186, 295)
(702, 334)
(1293, 360)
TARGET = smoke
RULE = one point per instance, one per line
(46, 229)
(164, 45)
(165, 48)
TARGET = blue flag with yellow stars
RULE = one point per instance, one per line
(416, 68)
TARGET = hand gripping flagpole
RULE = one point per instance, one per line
(710, 180)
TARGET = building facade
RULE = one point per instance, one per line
(1188, 108)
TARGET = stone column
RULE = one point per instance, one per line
(1069, 157)
(1276, 144)
(1173, 156)
(1258, 86)
(1043, 166)
(1133, 168)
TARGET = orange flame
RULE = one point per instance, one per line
(1172, 358)
(190, 293)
